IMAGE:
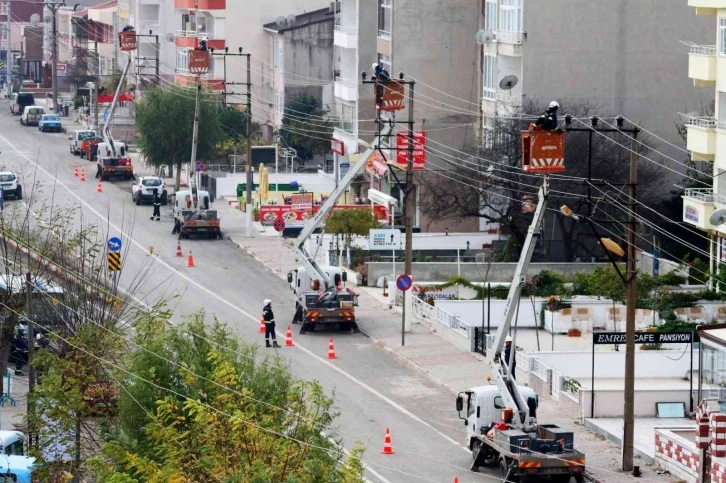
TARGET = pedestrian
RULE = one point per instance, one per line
(269, 319)
(157, 206)
(507, 354)
(547, 121)
(298, 317)
(20, 352)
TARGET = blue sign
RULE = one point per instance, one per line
(114, 244)
(345, 165)
(105, 116)
(199, 166)
(404, 282)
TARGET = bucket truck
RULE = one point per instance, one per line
(113, 159)
(501, 418)
(319, 290)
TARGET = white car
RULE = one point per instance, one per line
(143, 189)
(10, 185)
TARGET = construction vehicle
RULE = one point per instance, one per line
(319, 289)
(515, 441)
(113, 160)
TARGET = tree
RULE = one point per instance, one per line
(216, 413)
(165, 121)
(79, 69)
(305, 128)
(350, 222)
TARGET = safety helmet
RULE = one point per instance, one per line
(554, 105)
(204, 39)
(508, 339)
(375, 65)
(267, 302)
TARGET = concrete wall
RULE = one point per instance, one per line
(648, 364)
(499, 272)
(609, 403)
(309, 54)
(677, 454)
(620, 56)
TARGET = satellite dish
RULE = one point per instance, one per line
(280, 21)
(291, 20)
(47, 19)
(34, 19)
(484, 36)
(718, 218)
(170, 37)
(508, 82)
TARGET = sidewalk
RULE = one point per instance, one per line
(448, 363)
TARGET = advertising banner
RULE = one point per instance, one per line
(297, 218)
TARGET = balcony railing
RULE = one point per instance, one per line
(347, 30)
(509, 37)
(346, 82)
(705, 195)
(146, 24)
(703, 49)
(194, 33)
(706, 122)
(507, 97)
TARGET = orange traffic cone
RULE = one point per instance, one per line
(75, 171)
(387, 448)
(262, 325)
(83, 174)
(99, 188)
(331, 350)
(190, 260)
(178, 250)
(288, 338)
(456, 479)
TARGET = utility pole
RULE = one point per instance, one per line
(248, 194)
(31, 346)
(54, 8)
(96, 87)
(195, 142)
(631, 277)
(408, 201)
(9, 55)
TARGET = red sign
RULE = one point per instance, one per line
(301, 202)
(269, 214)
(61, 67)
(337, 146)
(419, 150)
(279, 225)
(124, 96)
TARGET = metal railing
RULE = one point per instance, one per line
(704, 195)
(193, 33)
(346, 82)
(422, 310)
(523, 361)
(706, 122)
(490, 341)
(149, 23)
(347, 30)
(540, 370)
(569, 387)
(702, 49)
(557, 379)
(453, 322)
(509, 36)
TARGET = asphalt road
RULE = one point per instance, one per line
(373, 390)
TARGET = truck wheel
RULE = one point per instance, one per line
(504, 474)
(561, 478)
(579, 478)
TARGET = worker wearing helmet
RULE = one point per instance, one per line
(548, 120)
(507, 354)
(380, 74)
(269, 319)
(203, 44)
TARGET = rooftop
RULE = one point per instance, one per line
(303, 20)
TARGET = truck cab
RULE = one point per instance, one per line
(319, 306)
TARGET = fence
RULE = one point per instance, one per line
(452, 322)
(570, 388)
(557, 379)
(523, 361)
(422, 310)
(539, 369)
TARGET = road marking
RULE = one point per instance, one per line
(233, 306)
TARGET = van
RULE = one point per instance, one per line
(31, 115)
(78, 136)
(19, 101)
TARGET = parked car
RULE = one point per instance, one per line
(31, 115)
(77, 137)
(20, 101)
(143, 189)
(49, 122)
(10, 185)
(29, 82)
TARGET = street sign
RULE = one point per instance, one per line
(404, 282)
(105, 116)
(114, 244)
(643, 337)
(114, 261)
(419, 150)
(345, 165)
(61, 67)
(384, 239)
(199, 166)
(279, 225)
(337, 146)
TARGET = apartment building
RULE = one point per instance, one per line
(21, 14)
(706, 136)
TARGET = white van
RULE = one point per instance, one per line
(78, 136)
(31, 115)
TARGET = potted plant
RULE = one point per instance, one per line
(256, 214)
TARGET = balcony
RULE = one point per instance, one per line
(188, 39)
(346, 89)
(346, 37)
(149, 27)
(702, 65)
(510, 37)
(203, 4)
(699, 205)
(509, 99)
(701, 138)
(706, 7)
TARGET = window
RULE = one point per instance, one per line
(385, 18)
(347, 117)
(722, 33)
(490, 77)
(511, 16)
(182, 60)
(490, 15)
(385, 62)
(15, 448)
(3, 8)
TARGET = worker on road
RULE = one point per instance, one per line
(507, 354)
(298, 317)
(269, 319)
(157, 206)
(548, 120)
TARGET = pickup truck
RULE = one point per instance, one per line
(118, 167)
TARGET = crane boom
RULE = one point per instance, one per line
(308, 259)
(500, 371)
(106, 131)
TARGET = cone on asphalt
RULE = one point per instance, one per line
(456, 479)
(179, 253)
(331, 350)
(190, 259)
(387, 448)
(288, 338)
(83, 174)
(75, 171)
(262, 325)
(99, 188)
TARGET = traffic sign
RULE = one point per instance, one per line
(337, 146)
(384, 239)
(105, 116)
(114, 244)
(114, 261)
(345, 165)
(279, 225)
(199, 166)
(404, 282)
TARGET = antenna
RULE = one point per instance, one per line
(291, 20)
(484, 36)
(508, 82)
(280, 21)
(34, 19)
(170, 37)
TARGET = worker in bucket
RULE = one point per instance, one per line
(547, 121)
(269, 319)
(157, 206)
(508, 353)
(380, 74)
(203, 44)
